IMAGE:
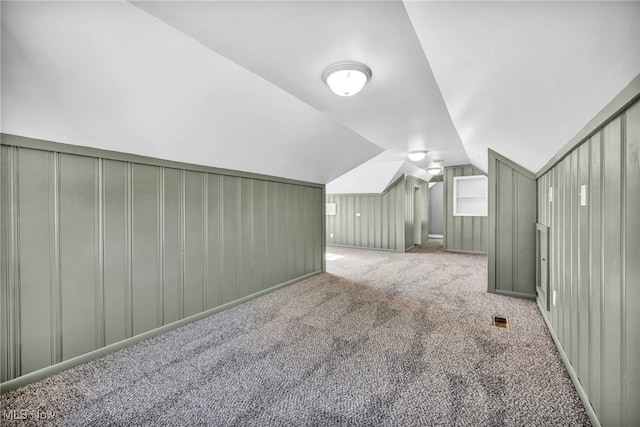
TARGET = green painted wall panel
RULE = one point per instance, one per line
(246, 237)
(36, 183)
(145, 248)
(299, 237)
(385, 220)
(8, 265)
(595, 273)
(117, 278)
(194, 243)
(631, 288)
(319, 238)
(80, 279)
(565, 286)
(505, 231)
(573, 287)
(258, 247)
(231, 253)
(462, 233)
(612, 235)
(215, 247)
(512, 225)
(109, 249)
(272, 256)
(291, 241)
(282, 221)
(582, 275)
(524, 254)
(594, 264)
(172, 272)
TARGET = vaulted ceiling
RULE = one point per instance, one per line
(238, 84)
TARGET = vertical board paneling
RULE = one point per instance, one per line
(524, 255)
(246, 236)
(611, 264)
(78, 210)
(383, 223)
(290, 240)
(299, 238)
(565, 296)
(595, 266)
(36, 272)
(631, 319)
(258, 248)
(582, 253)
(573, 288)
(595, 273)
(214, 241)
(562, 267)
(231, 254)
(556, 246)
(282, 203)
(319, 239)
(116, 276)
(96, 250)
(172, 246)
(194, 235)
(462, 233)
(272, 256)
(7, 270)
(512, 211)
(145, 261)
(504, 229)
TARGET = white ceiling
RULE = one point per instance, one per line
(238, 84)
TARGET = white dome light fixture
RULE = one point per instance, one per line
(418, 155)
(435, 168)
(346, 78)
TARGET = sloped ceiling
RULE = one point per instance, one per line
(238, 84)
(522, 78)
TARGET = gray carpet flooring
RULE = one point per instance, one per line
(380, 339)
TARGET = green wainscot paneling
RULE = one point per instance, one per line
(512, 228)
(463, 233)
(590, 200)
(381, 221)
(101, 249)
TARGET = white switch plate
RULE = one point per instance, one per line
(331, 235)
(551, 194)
(554, 298)
(357, 213)
(583, 195)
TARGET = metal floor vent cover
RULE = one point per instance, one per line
(500, 322)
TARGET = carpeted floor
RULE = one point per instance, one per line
(381, 339)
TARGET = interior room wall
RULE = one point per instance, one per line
(594, 268)
(377, 221)
(99, 247)
(463, 233)
(512, 228)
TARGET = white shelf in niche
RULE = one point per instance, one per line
(470, 195)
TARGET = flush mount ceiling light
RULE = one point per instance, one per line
(416, 156)
(435, 169)
(346, 78)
